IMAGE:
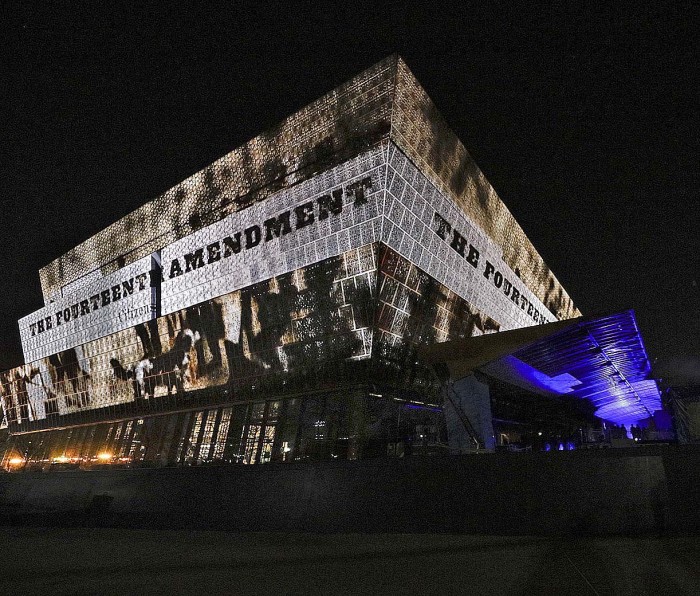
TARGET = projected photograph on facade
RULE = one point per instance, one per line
(295, 321)
(293, 332)
(309, 266)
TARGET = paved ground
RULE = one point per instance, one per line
(117, 561)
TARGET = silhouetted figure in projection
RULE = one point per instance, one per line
(150, 338)
(169, 369)
(42, 398)
(324, 335)
(274, 314)
(206, 318)
(20, 386)
(7, 396)
(310, 316)
(71, 377)
(239, 366)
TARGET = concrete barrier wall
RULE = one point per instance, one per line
(538, 494)
(683, 485)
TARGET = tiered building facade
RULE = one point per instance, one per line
(269, 307)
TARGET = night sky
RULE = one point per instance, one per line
(585, 122)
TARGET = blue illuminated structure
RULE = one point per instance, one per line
(600, 359)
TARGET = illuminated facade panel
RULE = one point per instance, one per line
(320, 218)
(105, 305)
(316, 316)
(379, 195)
(428, 229)
(357, 317)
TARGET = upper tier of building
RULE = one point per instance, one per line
(383, 102)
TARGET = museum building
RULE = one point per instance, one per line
(271, 307)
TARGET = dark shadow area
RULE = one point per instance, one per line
(633, 492)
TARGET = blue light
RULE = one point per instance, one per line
(513, 370)
(417, 407)
(599, 359)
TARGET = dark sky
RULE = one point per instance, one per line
(585, 121)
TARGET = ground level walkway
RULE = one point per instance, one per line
(130, 561)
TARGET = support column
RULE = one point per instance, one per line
(467, 408)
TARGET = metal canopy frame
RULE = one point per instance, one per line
(600, 359)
